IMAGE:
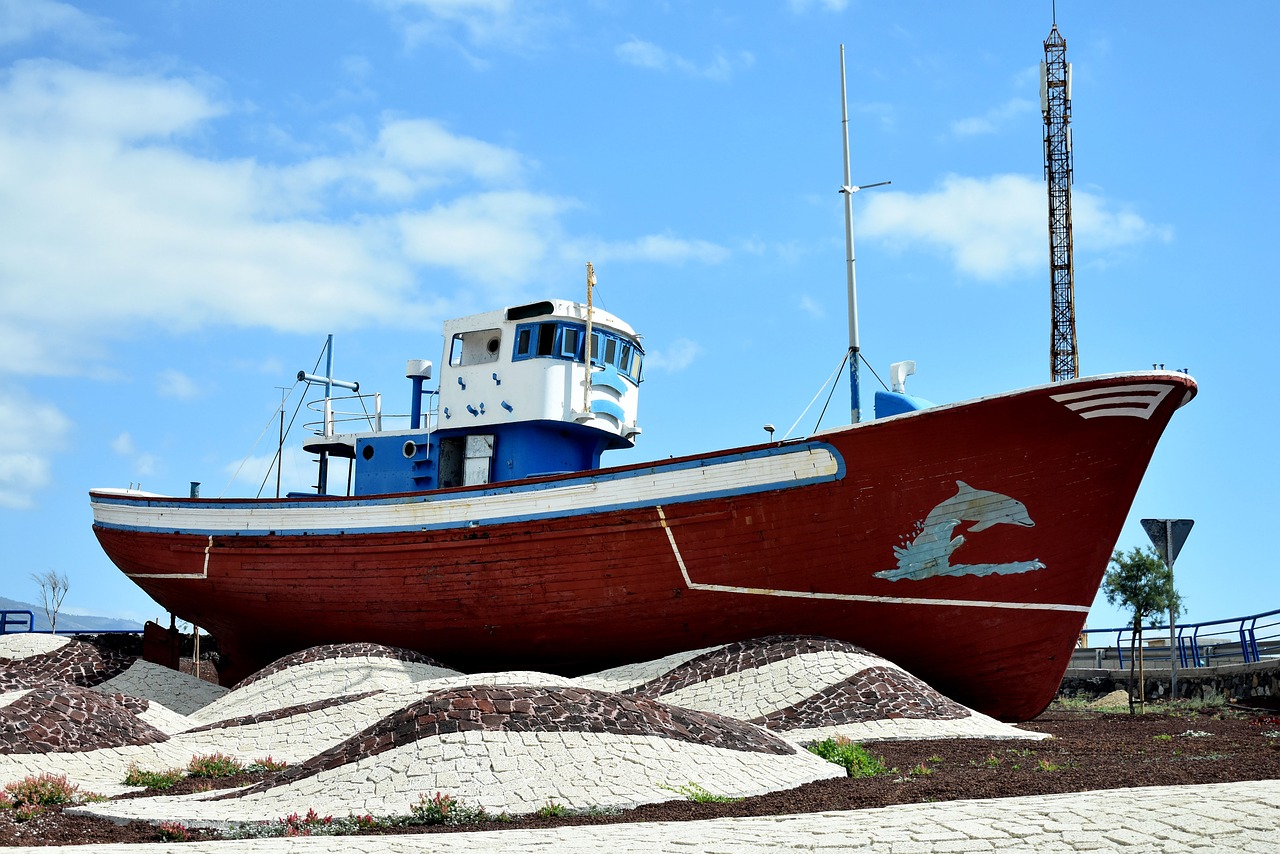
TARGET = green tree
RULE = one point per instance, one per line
(1143, 583)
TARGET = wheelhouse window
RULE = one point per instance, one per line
(474, 348)
(563, 340)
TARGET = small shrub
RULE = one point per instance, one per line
(26, 812)
(172, 831)
(214, 765)
(992, 760)
(857, 762)
(295, 825)
(921, 770)
(159, 780)
(552, 810)
(266, 763)
(1047, 766)
(42, 791)
(699, 795)
(445, 809)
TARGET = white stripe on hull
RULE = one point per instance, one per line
(645, 487)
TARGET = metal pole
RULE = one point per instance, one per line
(1173, 658)
(586, 345)
(854, 349)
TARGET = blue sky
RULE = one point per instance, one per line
(193, 193)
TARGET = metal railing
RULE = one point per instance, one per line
(16, 618)
(1234, 640)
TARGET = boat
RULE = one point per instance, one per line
(963, 541)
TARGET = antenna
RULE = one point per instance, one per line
(1055, 104)
(848, 189)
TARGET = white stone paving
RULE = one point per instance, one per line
(632, 675)
(19, 645)
(515, 772)
(177, 691)
(1233, 818)
(317, 680)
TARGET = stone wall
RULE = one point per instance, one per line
(1231, 681)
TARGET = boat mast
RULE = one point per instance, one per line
(848, 188)
(586, 345)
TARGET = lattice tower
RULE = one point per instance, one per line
(1055, 103)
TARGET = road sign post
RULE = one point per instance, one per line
(1168, 535)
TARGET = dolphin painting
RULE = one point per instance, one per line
(929, 554)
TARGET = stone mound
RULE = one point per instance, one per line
(812, 688)
(321, 674)
(515, 750)
(328, 652)
(73, 662)
(69, 718)
(726, 719)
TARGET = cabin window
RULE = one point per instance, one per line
(546, 339)
(569, 342)
(472, 348)
(455, 351)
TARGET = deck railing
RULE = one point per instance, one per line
(1235, 640)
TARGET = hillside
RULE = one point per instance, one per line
(69, 623)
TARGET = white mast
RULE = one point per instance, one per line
(848, 189)
(586, 345)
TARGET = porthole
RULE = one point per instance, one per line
(493, 345)
(410, 448)
(367, 453)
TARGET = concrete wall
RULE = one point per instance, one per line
(1232, 681)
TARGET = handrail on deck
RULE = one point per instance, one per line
(1193, 653)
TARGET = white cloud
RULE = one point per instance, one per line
(43, 429)
(506, 23)
(676, 356)
(123, 444)
(463, 236)
(140, 464)
(799, 6)
(994, 119)
(23, 20)
(112, 215)
(643, 54)
(812, 307)
(995, 227)
(177, 385)
(132, 232)
(659, 248)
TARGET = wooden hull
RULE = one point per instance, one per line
(965, 543)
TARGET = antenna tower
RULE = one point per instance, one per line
(1055, 103)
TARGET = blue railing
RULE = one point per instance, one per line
(1245, 639)
(16, 618)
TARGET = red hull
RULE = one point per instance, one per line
(582, 592)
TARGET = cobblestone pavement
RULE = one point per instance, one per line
(1225, 817)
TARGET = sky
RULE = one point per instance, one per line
(194, 193)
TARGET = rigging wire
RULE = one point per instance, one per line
(268, 424)
(829, 379)
(278, 460)
(831, 393)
